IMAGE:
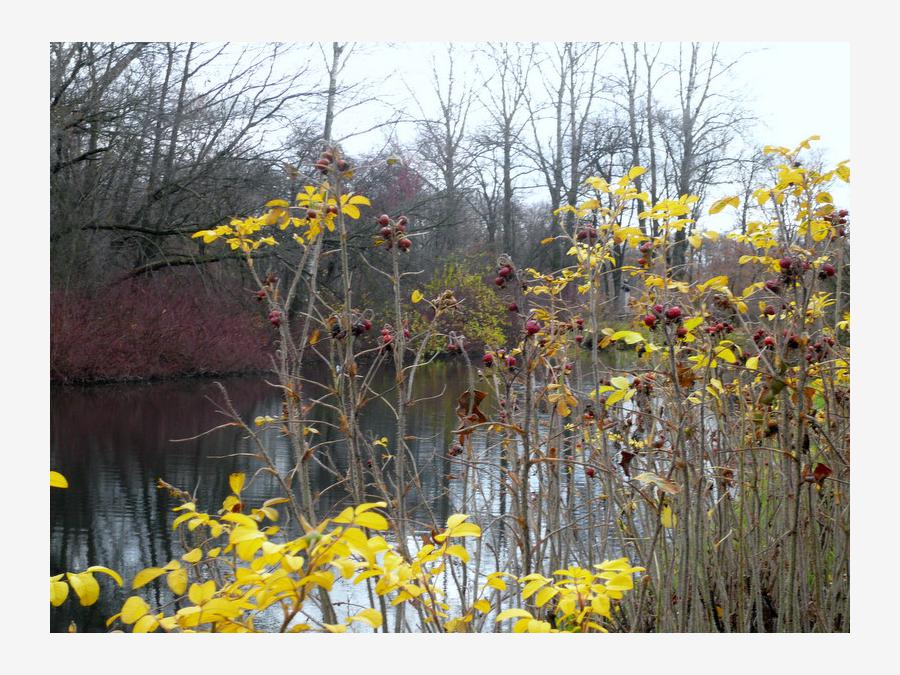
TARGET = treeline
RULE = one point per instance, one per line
(150, 142)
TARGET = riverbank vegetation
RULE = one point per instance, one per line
(700, 483)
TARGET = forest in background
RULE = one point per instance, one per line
(151, 142)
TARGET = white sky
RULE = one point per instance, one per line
(766, 78)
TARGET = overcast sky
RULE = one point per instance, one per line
(794, 89)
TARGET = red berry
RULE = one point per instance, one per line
(402, 221)
(646, 247)
(343, 165)
(366, 324)
(385, 331)
(658, 309)
(310, 214)
(500, 281)
(385, 232)
(404, 244)
(590, 471)
(512, 307)
(384, 219)
(511, 361)
(333, 210)
(843, 213)
(406, 333)
(673, 313)
(532, 326)
(785, 263)
(769, 341)
(650, 320)
(579, 339)
(488, 360)
(642, 261)
(769, 310)
(681, 332)
(829, 270)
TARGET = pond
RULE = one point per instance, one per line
(113, 442)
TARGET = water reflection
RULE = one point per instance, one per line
(113, 442)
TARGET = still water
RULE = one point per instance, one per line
(113, 442)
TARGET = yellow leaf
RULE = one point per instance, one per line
(513, 612)
(145, 576)
(753, 362)
(373, 521)
(543, 596)
(458, 551)
(482, 606)
(370, 616)
(635, 172)
(417, 296)
(107, 571)
(360, 200)
(696, 240)
(631, 337)
(236, 481)
(146, 624)
(727, 355)
(59, 591)
(351, 211)
(843, 173)
(667, 518)
(177, 581)
(57, 480)
(620, 382)
(277, 203)
(547, 240)
(722, 203)
(85, 586)
(192, 556)
(335, 627)
(134, 608)
(200, 593)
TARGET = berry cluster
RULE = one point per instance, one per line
(361, 327)
(838, 219)
(588, 233)
(394, 232)
(818, 352)
(719, 327)
(671, 315)
(275, 318)
(505, 273)
(326, 159)
(763, 340)
(646, 250)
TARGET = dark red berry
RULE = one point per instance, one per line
(512, 307)
(650, 320)
(511, 361)
(673, 313)
(658, 309)
(404, 244)
(769, 310)
(532, 326)
(384, 219)
(488, 360)
(590, 472)
(681, 332)
(385, 232)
